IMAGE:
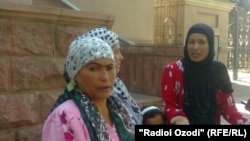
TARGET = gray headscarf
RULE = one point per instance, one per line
(83, 50)
(103, 33)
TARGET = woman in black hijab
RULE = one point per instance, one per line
(197, 89)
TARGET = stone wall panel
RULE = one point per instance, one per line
(64, 35)
(47, 101)
(35, 73)
(7, 135)
(28, 38)
(19, 110)
(4, 74)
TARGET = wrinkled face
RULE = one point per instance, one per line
(118, 56)
(156, 120)
(96, 79)
(197, 47)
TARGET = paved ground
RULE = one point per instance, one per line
(241, 91)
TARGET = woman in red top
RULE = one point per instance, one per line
(197, 89)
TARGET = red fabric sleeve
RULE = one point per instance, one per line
(172, 88)
(228, 109)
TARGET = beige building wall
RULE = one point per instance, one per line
(212, 12)
(179, 15)
(136, 19)
(27, 2)
(133, 18)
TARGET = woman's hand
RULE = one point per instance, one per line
(247, 106)
(179, 120)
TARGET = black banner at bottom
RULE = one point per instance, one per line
(204, 132)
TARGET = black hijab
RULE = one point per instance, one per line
(201, 80)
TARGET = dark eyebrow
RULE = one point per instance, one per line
(95, 63)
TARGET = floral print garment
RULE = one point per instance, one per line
(65, 124)
(172, 96)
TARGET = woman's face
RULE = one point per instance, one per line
(118, 56)
(96, 79)
(156, 120)
(197, 47)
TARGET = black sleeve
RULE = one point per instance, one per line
(222, 78)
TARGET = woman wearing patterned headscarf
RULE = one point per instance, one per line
(120, 90)
(197, 89)
(87, 110)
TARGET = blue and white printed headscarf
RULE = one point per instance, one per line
(83, 50)
(103, 33)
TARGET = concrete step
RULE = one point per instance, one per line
(143, 99)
